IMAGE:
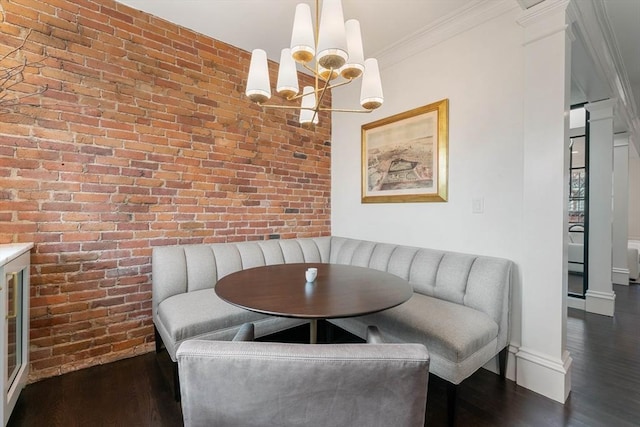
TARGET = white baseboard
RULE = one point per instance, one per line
(600, 302)
(574, 302)
(542, 374)
(620, 276)
(494, 366)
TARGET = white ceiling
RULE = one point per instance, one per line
(266, 24)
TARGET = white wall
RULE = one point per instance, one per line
(488, 73)
(634, 196)
(621, 148)
(481, 73)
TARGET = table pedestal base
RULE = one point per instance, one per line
(313, 331)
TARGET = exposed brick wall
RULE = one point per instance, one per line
(143, 138)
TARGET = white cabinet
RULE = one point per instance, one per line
(14, 334)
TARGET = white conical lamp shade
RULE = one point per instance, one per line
(355, 64)
(371, 91)
(258, 84)
(307, 115)
(332, 39)
(302, 38)
(287, 85)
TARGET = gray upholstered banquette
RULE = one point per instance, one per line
(459, 310)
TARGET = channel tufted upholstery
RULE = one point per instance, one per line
(459, 311)
(446, 286)
(286, 385)
(185, 304)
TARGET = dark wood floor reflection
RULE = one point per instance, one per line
(605, 392)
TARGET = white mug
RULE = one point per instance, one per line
(311, 274)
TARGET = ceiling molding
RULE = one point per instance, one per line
(594, 31)
(621, 139)
(526, 4)
(455, 23)
(541, 12)
(612, 45)
(544, 20)
(623, 84)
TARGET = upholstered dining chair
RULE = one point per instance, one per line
(261, 384)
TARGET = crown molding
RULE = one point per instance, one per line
(457, 22)
(616, 57)
(594, 31)
(601, 110)
(621, 139)
(545, 19)
(541, 11)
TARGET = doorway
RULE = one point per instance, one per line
(578, 209)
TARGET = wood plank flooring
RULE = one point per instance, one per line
(605, 390)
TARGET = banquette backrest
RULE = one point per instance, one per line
(185, 268)
(479, 282)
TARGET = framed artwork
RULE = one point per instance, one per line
(405, 156)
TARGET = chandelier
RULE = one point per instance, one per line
(332, 52)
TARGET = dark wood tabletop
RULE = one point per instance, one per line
(338, 291)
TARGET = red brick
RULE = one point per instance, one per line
(48, 300)
(159, 147)
(49, 321)
(128, 344)
(88, 314)
(68, 308)
(115, 14)
(51, 362)
(71, 347)
(87, 295)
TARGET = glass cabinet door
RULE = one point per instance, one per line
(14, 326)
(14, 333)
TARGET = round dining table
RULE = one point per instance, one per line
(338, 291)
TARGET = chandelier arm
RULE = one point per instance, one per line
(334, 110)
(317, 91)
(322, 92)
(346, 82)
(283, 107)
(319, 98)
(294, 97)
(344, 110)
(306, 65)
(315, 72)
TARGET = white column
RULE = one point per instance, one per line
(634, 193)
(599, 297)
(620, 208)
(543, 363)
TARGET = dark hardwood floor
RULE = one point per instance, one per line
(605, 390)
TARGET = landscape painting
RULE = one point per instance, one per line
(404, 157)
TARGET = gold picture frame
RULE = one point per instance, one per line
(405, 157)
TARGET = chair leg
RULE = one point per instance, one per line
(158, 339)
(176, 379)
(176, 382)
(502, 362)
(452, 401)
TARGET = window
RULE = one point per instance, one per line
(577, 181)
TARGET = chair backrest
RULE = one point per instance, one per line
(576, 233)
(277, 384)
